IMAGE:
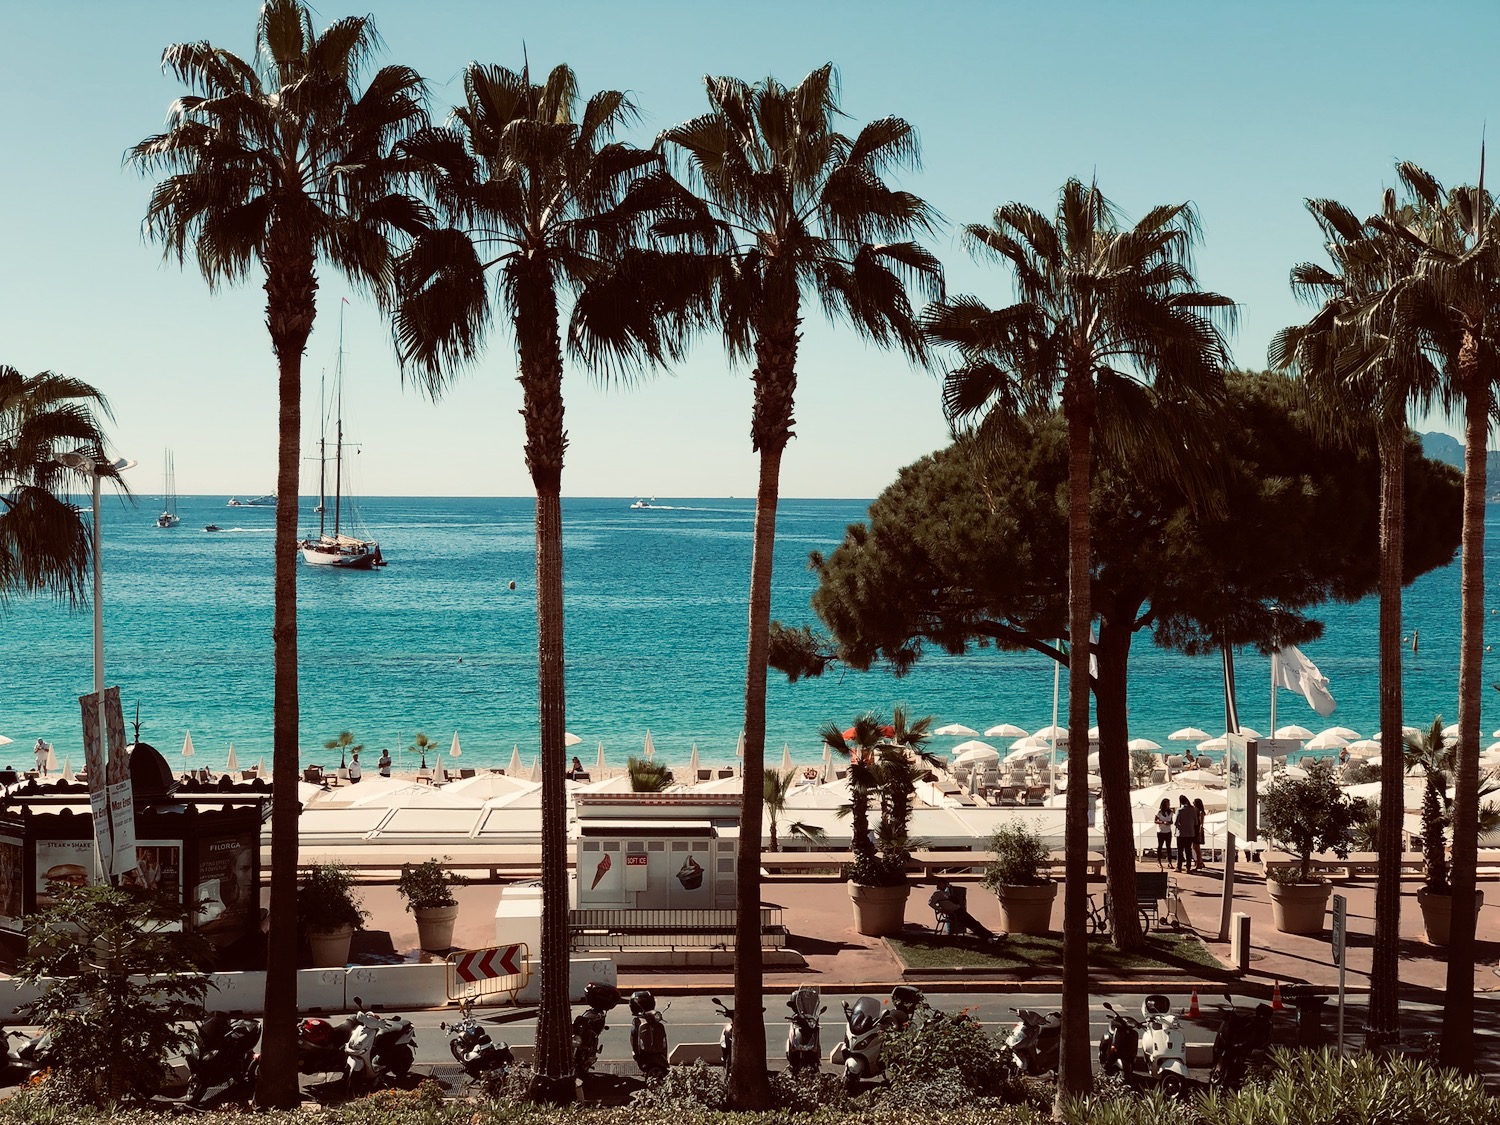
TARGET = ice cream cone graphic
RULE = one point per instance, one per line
(600, 871)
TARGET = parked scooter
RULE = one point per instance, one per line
(726, 1033)
(648, 1035)
(472, 1046)
(1033, 1044)
(1160, 1039)
(380, 1049)
(1242, 1033)
(589, 1025)
(320, 1045)
(223, 1055)
(865, 1026)
(804, 1044)
(27, 1055)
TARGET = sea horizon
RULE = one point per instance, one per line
(656, 603)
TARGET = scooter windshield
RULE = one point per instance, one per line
(864, 1015)
(804, 1002)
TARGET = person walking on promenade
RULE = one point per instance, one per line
(1164, 833)
(1187, 833)
(1201, 838)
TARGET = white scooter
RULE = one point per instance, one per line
(804, 1048)
(1163, 1045)
(865, 1025)
(380, 1049)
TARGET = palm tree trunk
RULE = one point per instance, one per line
(1075, 1075)
(1114, 776)
(291, 305)
(775, 381)
(1385, 966)
(1458, 1016)
(541, 381)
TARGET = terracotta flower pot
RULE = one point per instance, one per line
(330, 948)
(1299, 908)
(1437, 913)
(1026, 910)
(878, 910)
(435, 927)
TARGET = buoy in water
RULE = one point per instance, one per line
(512, 583)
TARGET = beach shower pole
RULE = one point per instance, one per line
(1052, 734)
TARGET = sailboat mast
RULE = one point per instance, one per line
(338, 447)
(323, 451)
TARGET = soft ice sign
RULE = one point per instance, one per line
(637, 875)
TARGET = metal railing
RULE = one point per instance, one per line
(621, 928)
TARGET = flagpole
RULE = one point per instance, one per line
(1056, 684)
(1274, 660)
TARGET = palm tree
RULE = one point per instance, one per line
(1109, 323)
(421, 744)
(345, 745)
(44, 540)
(860, 745)
(799, 210)
(537, 190)
(282, 161)
(1357, 366)
(778, 787)
(1451, 302)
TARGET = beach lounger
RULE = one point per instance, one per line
(1036, 795)
(1009, 795)
(705, 775)
(728, 771)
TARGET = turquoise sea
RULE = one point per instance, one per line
(656, 609)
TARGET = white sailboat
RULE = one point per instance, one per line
(168, 517)
(338, 549)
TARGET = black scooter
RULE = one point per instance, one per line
(472, 1047)
(648, 1035)
(589, 1025)
(223, 1055)
(1243, 1032)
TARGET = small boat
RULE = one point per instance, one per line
(212, 527)
(168, 517)
(645, 504)
(340, 550)
(268, 501)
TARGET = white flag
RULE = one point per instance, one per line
(1296, 672)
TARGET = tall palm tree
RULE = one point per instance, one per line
(860, 744)
(539, 195)
(1451, 302)
(1357, 365)
(802, 211)
(776, 791)
(44, 541)
(285, 162)
(1108, 322)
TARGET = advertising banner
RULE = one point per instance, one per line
(12, 880)
(62, 863)
(226, 899)
(109, 781)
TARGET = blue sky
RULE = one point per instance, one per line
(1244, 109)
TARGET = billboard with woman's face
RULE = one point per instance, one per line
(227, 897)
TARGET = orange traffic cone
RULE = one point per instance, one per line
(1193, 1012)
(1276, 1004)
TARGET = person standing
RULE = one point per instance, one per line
(1201, 839)
(1164, 833)
(385, 763)
(41, 750)
(355, 772)
(1187, 833)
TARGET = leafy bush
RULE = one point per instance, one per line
(877, 869)
(647, 777)
(695, 1087)
(427, 884)
(122, 976)
(1021, 858)
(806, 1090)
(937, 1044)
(1308, 815)
(325, 899)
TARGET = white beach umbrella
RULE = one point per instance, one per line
(739, 745)
(455, 750)
(5, 741)
(51, 759)
(956, 730)
(234, 762)
(260, 768)
(1364, 748)
(1094, 762)
(650, 747)
(600, 764)
(827, 763)
(786, 757)
(187, 745)
(1343, 732)
(535, 772)
(67, 774)
(1024, 754)
(569, 738)
(980, 753)
(439, 775)
(1378, 759)
(1251, 733)
(1406, 732)
(1450, 731)
(1030, 742)
(1053, 733)
(1143, 744)
(1093, 734)
(1010, 730)
(973, 744)
(1328, 740)
(693, 764)
(1293, 731)
(1189, 734)
(1296, 773)
(514, 769)
(1200, 777)
(1214, 745)
(1491, 750)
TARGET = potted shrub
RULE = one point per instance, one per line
(1019, 876)
(328, 912)
(1436, 757)
(427, 889)
(1306, 815)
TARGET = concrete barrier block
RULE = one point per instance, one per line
(320, 990)
(686, 1054)
(1200, 1055)
(391, 987)
(236, 993)
(581, 970)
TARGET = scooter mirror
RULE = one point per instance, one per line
(823, 1009)
(1229, 999)
(358, 1003)
(716, 1000)
(442, 1027)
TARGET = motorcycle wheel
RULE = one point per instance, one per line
(583, 1062)
(195, 1092)
(851, 1079)
(654, 1066)
(1171, 1084)
(458, 1051)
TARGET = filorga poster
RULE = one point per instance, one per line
(226, 898)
